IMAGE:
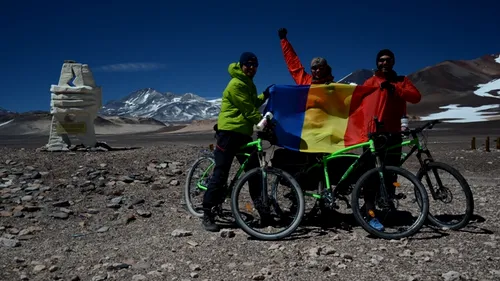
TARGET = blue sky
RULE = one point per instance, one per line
(186, 46)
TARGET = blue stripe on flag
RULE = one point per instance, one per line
(287, 103)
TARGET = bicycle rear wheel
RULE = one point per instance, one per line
(264, 201)
(387, 211)
(196, 183)
(434, 179)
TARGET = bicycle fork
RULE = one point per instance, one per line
(384, 195)
(423, 164)
(262, 203)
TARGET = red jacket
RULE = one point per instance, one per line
(295, 67)
(388, 109)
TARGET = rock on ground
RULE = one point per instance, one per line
(118, 215)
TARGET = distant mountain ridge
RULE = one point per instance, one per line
(471, 83)
(452, 89)
(357, 77)
(455, 90)
(165, 107)
(4, 111)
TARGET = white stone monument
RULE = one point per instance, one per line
(74, 104)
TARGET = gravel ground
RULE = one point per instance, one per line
(118, 216)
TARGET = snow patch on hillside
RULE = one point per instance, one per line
(465, 114)
(485, 89)
(5, 123)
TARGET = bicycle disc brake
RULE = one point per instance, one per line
(444, 194)
(387, 204)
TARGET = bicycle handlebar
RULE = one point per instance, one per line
(428, 125)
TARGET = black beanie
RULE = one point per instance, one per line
(246, 56)
(385, 52)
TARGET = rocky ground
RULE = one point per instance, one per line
(119, 216)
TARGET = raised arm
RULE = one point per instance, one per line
(295, 67)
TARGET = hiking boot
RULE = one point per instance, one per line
(208, 222)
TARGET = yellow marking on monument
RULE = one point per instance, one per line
(71, 128)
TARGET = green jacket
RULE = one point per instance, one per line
(240, 103)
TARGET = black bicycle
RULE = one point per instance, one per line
(433, 174)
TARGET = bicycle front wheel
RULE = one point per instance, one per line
(264, 188)
(383, 216)
(449, 187)
(196, 184)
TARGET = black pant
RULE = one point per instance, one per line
(392, 159)
(228, 144)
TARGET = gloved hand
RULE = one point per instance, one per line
(266, 91)
(282, 33)
(268, 133)
(388, 86)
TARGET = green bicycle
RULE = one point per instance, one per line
(441, 190)
(354, 180)
(199, 180)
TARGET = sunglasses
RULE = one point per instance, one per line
(250, 64)
(385, 59)
(316, 67)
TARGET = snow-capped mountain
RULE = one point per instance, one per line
(3, 110)
(459, 84)
(357, 77)
(448, 85)
(5, 115)
(165, 107)
(169, 107)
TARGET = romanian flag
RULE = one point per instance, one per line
(318, 118)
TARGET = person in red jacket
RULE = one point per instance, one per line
(321, 72)
(388, 104)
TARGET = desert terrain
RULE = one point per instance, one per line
(119, 215)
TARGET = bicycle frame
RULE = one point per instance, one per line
(258, 144)
(419, 149)
(342, 153)
(416, 145)
(415, 142)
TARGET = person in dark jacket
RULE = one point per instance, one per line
(321, 72)
(238, 114)
(388, 104)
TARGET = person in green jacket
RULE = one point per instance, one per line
(238, 114)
